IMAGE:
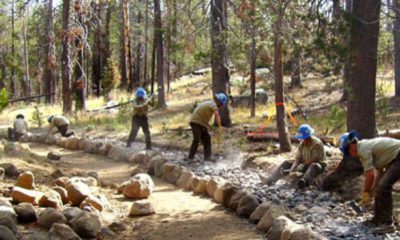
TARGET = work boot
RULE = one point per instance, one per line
(384, 228)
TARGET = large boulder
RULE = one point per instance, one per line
(244, 100)
(151, 164)
(141, 157)
(247, 205)
(235, 199)
(171, 172)
(141, 208)
(49, 216)
(61, 142)
(104, 148)
(282, 228)
(77, 192)
(51, 199)
(61, 181)
(26, 213)
(94, 202)
(158, 166)
(59, 231)
(213, 184)
(305, 233)
(21, 195)
(8, 219)
(224, 193)
(6, 234)
(260, 211)
(26, 180)
(71, 212)
(138, 187)
(82, 144)
(90, 181)
(86, 224)
(119, 154)
(185, 180)
(51, 139)
(72, 143)
(269, 217)
(53, 156)
(63, 194)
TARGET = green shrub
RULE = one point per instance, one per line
(111, 77)
(37, 117)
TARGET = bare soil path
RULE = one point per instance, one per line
(179, 214)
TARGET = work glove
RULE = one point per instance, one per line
(366, 200)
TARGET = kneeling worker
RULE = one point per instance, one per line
(381, 154)
(310, 159)
(199, 123)
(61, 123)
(20, 128)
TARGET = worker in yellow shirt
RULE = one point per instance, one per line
(199, 123)
(382, 156)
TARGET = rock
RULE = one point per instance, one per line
(269, 217)
(305, 233)
(63, 194)
(119, 154)
(117, 226)
(71, 212)
(61, 142)
(11, 171)
(142, 157)
(171, 172)
(235, 199)
(90, 181)
(91, 146)
(51, 199)
(2, 173)
(158, 167)
(223, 194)
(57, 174)
(185, 180)
(49, 216)
(61, 182)
(82, 144)
(8, 220)
(54, 156)
(26, 180)
(51, 139)
(245, 98)
(247, 205)
(141, 208)
(140, 186)
(260, 211)
(5, 202)
(199, 185)
(136, 170)
(93, 202)
(213, 184)
(26, 213)
(121, 187)
(77, 192)
(86, 224)
(59, 231)
(104, 149)
(21, 195)
(15, 148)
(151, 165)
(38, 236)
(72, 143)
(6, 234)
(282, 228)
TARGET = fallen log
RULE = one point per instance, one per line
(274, 136)
(31, 97)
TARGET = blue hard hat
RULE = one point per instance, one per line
(345, 139)
(50, 118)
(305, 131)
(140, 93)
(222, 98)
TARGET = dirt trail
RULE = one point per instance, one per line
(180, 214)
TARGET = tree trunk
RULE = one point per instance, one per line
(153, 64)
(253, 56)
(396, 37)
(336, 9)
(13, 84)
(80, 81)
(346, 69)
(158, 39)
(138, 61)
(26, 79)
(281, 120)
(97, 56)
(146, 39)
(107, 54)
(296, 69)
(3, 68)
(169, 45)
(65, 59)
(125, 46)
(363, 58)
(389, 8)
(219, 52)
(50, 66)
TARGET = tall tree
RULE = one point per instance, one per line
(219, 55)
(146, 39)
(13, 57)
(125, 46)
(138, 61)
(65, 58)
(396, 38)
(363, 58)
(346, 69)
(80, 81)
(26, 82)
(50, 65)
(281, 119)
(97, 63)
(158, 40)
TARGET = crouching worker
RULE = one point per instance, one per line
(20, 128)
(199, 123)
(139, 119)
(61, 123)
(310, 160)
(382, 155)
